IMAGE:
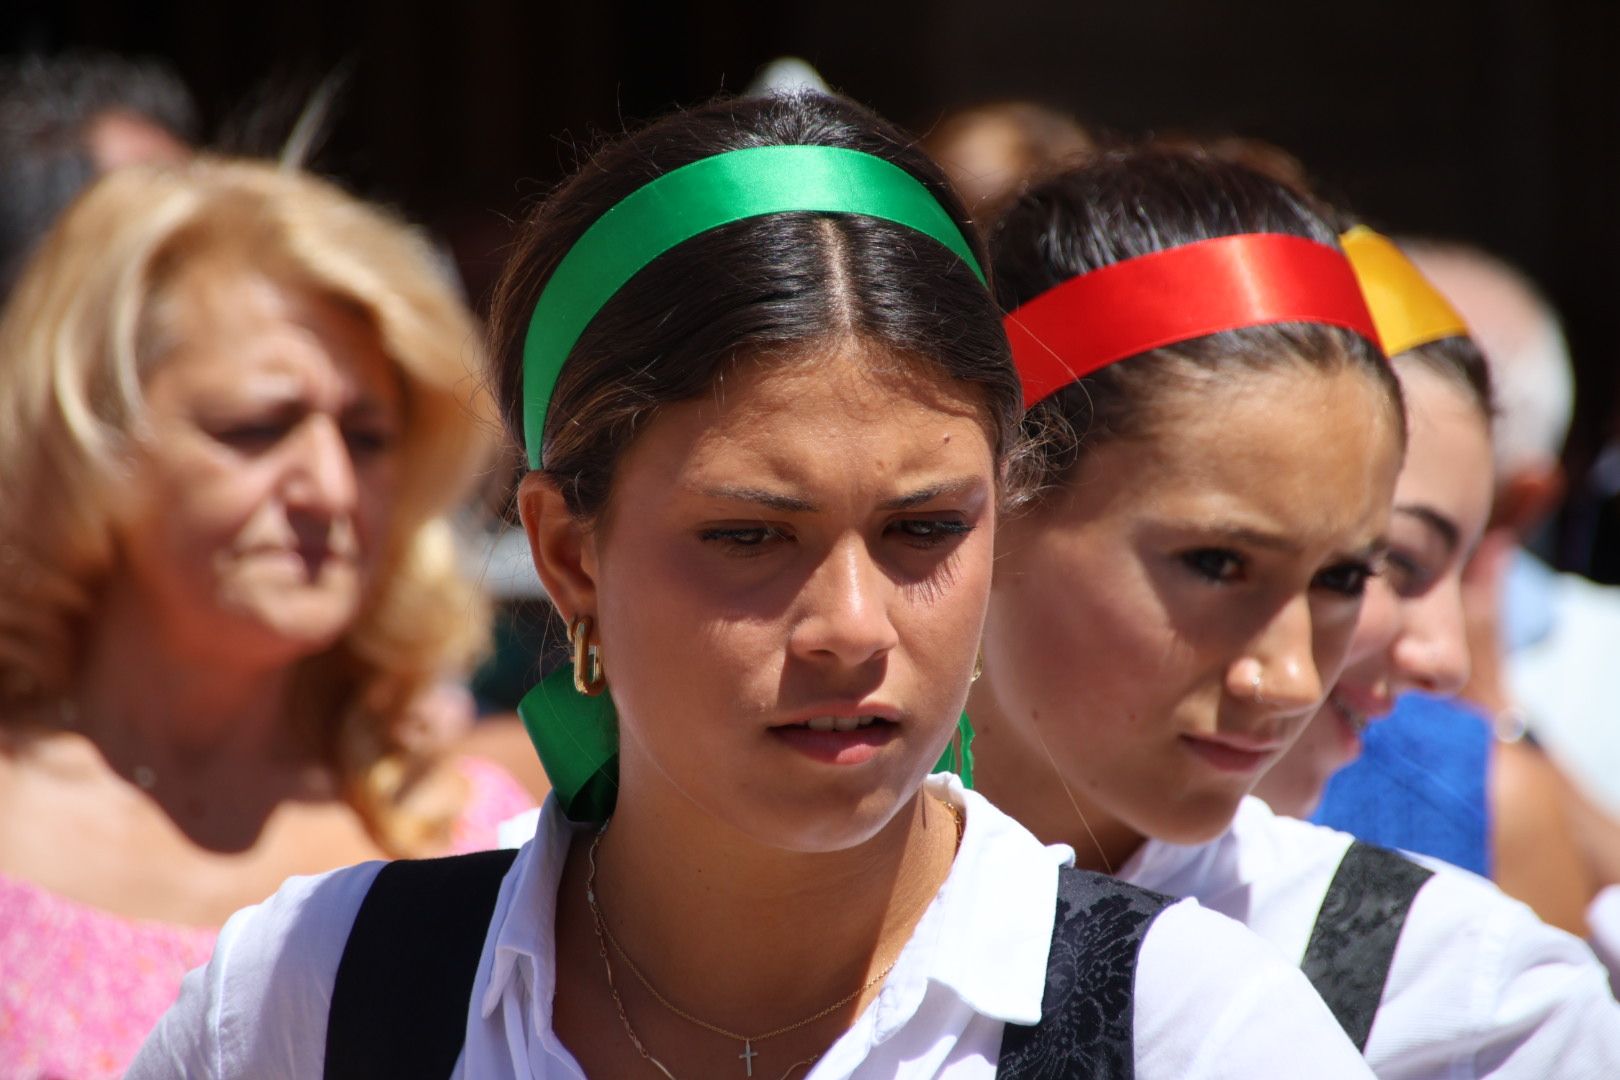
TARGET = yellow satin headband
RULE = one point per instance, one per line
(1406, 309)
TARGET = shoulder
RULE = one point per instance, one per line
(1205, 984)
(1479, 979)
(259, 1006)
(1270, 873)
(1536, 854)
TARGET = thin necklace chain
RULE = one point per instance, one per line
(605, 938)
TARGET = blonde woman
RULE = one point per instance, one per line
(233, 418)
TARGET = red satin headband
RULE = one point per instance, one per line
(1146, 303)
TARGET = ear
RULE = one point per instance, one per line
(1526, 496)
(563, 547)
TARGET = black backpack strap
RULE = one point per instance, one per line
(1087, 1013)
(1353, 942)
(399, 1004)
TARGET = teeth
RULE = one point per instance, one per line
(838, 723)
(1357, 722)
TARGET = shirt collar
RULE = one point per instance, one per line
(1185, 869)
(527, 913)
(985, 936)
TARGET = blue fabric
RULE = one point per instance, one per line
(1529, 601)
(1420, 784)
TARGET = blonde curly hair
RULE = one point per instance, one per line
(85, 325)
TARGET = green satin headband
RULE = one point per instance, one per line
(692, 200)
(577, 736)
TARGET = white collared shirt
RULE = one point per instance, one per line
(1212, 1001)
(1478, 986)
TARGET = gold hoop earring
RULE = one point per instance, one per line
(590, 676)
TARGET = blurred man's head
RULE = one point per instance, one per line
(1523, 342)
(991, 152)
(67, 119)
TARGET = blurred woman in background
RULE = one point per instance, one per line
(234, 414)
(1441, 786)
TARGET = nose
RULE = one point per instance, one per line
(320, 476)
(1278, 673)
(1431, 652)
(846, 609)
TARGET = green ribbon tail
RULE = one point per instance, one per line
(577, 738)
(958, 755)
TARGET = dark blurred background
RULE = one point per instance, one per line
(1493, 121)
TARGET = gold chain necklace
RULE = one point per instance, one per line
(605, 938)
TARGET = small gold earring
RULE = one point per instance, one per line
(978, 667)
(590, 676)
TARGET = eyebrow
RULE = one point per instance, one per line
(771, 500)
(1256, 538)
(1437, 522)
(791, 504)
(1273, 542)
(961, 485)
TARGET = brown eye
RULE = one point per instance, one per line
(1347, 579)
(365, 442)
(928, 533)
(252, 438)
(744, 539)
(1218, 565)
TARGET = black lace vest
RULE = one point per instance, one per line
(400, 999)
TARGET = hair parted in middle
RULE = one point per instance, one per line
(1126, 203)
(771, 284)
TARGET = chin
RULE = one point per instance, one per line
(288, 632)
(823, 822)
(1295, 800)
(1197, 820)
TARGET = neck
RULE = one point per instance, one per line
(1013, 767)
(147, 704)
(753, 936)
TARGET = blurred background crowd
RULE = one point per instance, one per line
(1493, 123)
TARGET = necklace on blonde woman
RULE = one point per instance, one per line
(607, 944)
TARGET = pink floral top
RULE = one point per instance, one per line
(80, 988)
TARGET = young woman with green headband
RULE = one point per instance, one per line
(772, 419)
(1221, 445)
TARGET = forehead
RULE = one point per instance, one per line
(216, 322)
(1448, 456)
(1293, 451)
(845, 417)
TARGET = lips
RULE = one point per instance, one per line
(1234, 753)
(1363, 703)
(844, 737)
(841, 723)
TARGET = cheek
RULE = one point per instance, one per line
(377, 486)
(1336, 626)
(190, 512)
(1057, 637)
(1375, 627)
(696, 648)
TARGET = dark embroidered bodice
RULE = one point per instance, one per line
(1353, 942)
(1087, 1011)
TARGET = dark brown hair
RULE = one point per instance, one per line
(1458, 361)
(741, 290)
(1127, 203)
